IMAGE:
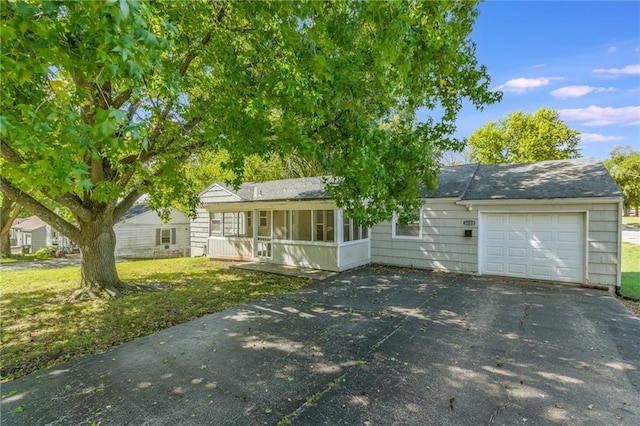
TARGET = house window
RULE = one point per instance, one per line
(165, 236)
(215, 223)
(410, 230)
(301, 225)
(324, 225)
(249, 222)
(263, 218)
(281, 224)
(352, 231)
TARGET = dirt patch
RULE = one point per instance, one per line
(634, 307)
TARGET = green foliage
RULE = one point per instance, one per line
(624, 166)
(96, 91)
(524, 138)
(630, 285)
(44, 253)
(39, 330)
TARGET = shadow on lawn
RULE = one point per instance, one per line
(42, 328)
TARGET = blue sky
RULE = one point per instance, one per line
(580, 57)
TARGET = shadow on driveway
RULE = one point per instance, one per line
(369, 346)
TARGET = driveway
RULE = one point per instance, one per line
(373, 346)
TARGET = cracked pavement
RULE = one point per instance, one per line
(369, 346)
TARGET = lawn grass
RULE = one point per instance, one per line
(15, 258)
(630, 285)
(41, 328)
(631, 221)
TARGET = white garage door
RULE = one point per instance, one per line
(538, 246)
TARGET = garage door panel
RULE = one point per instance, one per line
(518, 269)
(535, 245)
(495, 251)
(541, 219)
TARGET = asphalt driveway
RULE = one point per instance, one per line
(373, 346)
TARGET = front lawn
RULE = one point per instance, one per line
(630, 270)
(41, 328)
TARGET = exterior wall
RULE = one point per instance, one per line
(200, 225)
(38, 239)
(443, 245)
(306, 254)
(353, 254)
(136, 236)
(230, 248)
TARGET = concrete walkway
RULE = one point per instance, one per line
(371, 346)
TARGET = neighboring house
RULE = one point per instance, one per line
(552, 220)
(32, 233)
(140, 233)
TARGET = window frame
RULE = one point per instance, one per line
(395, 224)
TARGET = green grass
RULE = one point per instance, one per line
(41, 328)
(15, 258)
(630, 270)
(631, 221)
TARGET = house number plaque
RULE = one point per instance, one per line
(469, 222)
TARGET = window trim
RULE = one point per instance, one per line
(394, 223)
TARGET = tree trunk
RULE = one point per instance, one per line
(9, 211)
(98, 268)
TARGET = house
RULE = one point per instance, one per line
(32, 233)
(140, 233)
(552, 220)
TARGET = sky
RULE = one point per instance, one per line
(581, 58)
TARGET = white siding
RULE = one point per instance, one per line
(444, 246)
(308, 255)
(353, 254)
(200, 225)
(136, 236)
(230, 248)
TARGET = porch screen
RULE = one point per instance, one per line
(324, 225)
(281, 224)
(301, 225)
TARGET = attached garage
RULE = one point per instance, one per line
(551, 220)
(546, 246)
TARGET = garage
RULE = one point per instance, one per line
(545, 246)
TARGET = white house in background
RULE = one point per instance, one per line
(33, 233)
(552, 220)
(140, 233)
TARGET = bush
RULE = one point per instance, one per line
(44, 253)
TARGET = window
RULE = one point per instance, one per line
(410, 230)
(301, 225)
(165, 236)
(324, 225)
(352, 231)
(263, 218)
(215, 223)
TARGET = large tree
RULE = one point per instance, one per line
(9, 212)
(524, 138)
(624, 166)
(104, 101)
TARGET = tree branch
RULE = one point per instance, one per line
(34, 206)
(125, 205)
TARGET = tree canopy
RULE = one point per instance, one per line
(624, 166)
(103, 101)
(524, 138)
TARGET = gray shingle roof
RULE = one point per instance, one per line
(29, 224)
(286, 189)
(135, 210)
(541, 180)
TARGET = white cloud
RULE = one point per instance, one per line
(536, 66)
(602, 116)
(636, 90)
(612, 49)
(523, 85)
(595, 137)
(628, 70)
(577, 91)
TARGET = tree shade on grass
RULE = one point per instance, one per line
(106, 100)
(39, 329)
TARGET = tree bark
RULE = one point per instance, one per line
(98, 267)
(9, 211)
